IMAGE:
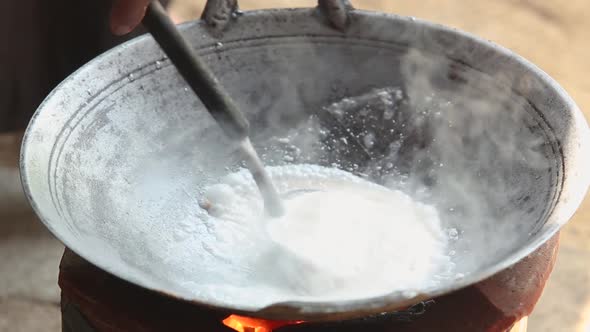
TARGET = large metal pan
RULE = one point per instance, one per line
(122, 142)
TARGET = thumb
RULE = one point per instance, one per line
(126, 15)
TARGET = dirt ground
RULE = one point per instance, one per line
(550, 33)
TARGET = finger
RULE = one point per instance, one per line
(126, 15)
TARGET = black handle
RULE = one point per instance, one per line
(218, 13)
(195, 72)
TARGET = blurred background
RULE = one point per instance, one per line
(552, 34)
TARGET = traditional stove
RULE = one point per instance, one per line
(95, 301)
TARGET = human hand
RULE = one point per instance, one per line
(126, 15)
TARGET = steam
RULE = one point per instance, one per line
(448, 135)
(482, 153)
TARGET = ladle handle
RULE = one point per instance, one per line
(195, 72)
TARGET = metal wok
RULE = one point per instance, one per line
(122, 142)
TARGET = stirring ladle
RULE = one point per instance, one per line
(216, 100)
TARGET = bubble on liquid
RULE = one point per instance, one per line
(219, 44)
(347, 102)
(284, 140)
(337, 112)
(131, 77)
(388, 113)
(344, 140)
(365, 111)
(369, 140)
(453, 233)
(158, 65)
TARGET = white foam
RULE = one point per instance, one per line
(346, 239)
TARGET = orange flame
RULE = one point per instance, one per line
(247, 324)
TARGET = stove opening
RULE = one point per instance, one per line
(247, 324)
